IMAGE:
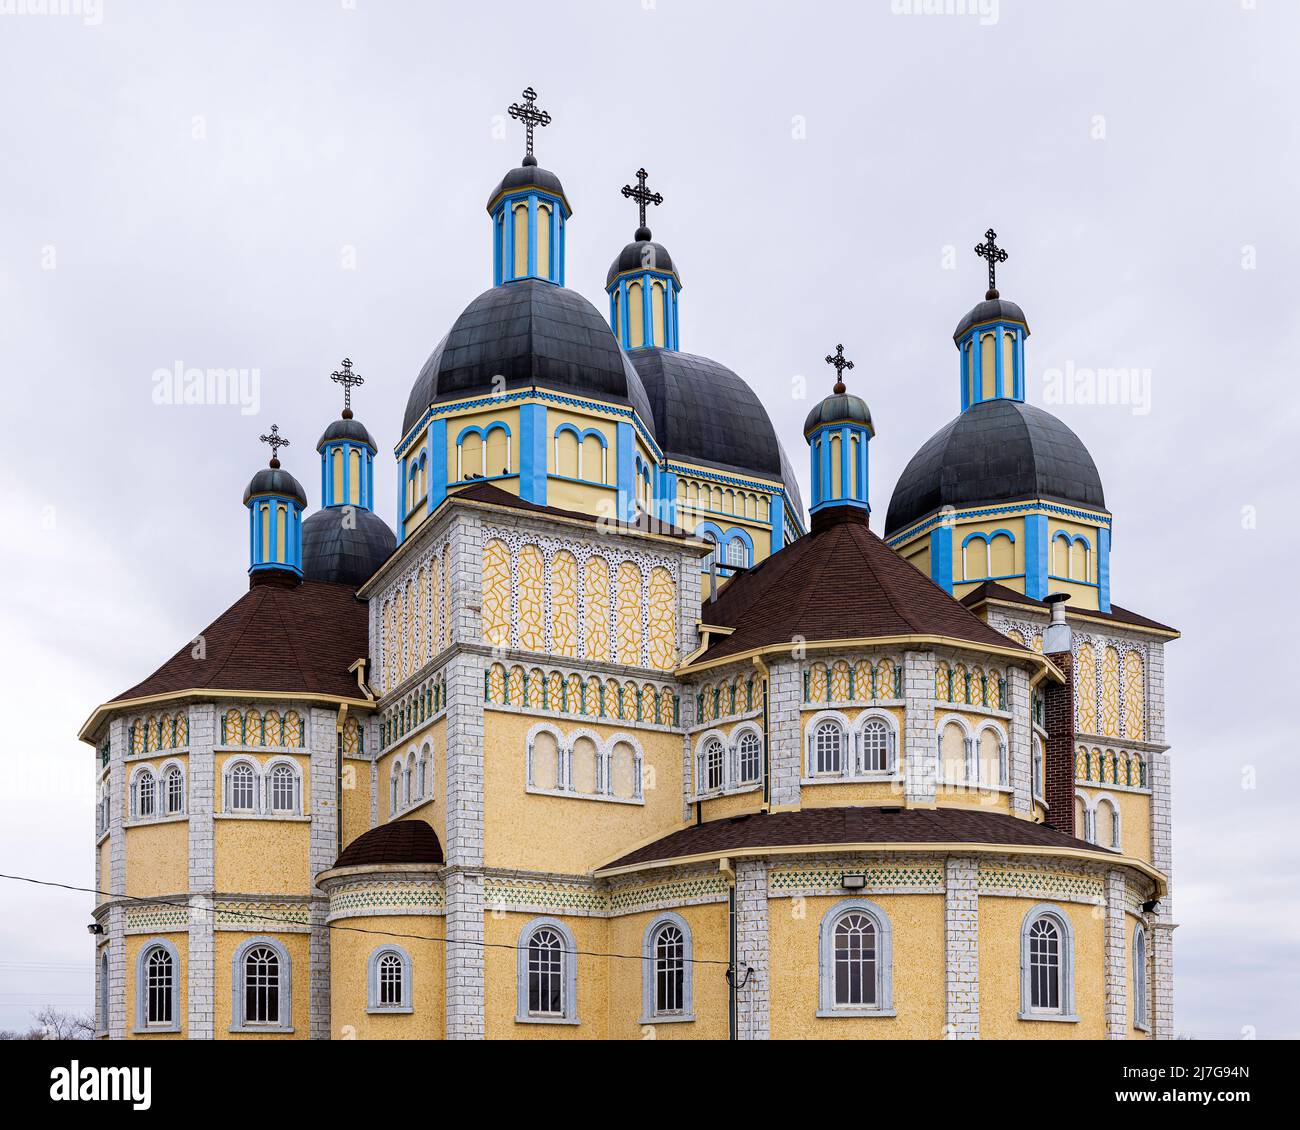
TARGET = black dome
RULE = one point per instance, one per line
(353, 430)
(838, 408)
(641, 255)
(332, 552)
(995, 451)
(705, 413)
(991, 310)
(528, 176)
(531, 333)
(275, 480)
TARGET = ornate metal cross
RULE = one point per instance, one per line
(641, 194)
(994, 254)
(349, 380)
(530, 115)
(277, 441)
(841, 363)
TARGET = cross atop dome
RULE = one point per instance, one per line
(994, 254)
(642, 196)
(349, 380)
(532, 117)
(841, 363)
(277, 441)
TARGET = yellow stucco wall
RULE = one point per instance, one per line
(299, 950)
(134, 945)
(1001, 920)
(262, 856)
(708, 925)
(504, 929)
(1134, 819)
(157, 858)
(355, 812)
(919, 983)
(534, 832)
(349, 962)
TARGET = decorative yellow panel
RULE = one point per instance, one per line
(1085, 690)
(1037, 644)
(629, 613)
(232, 731)
(942, 682)
(611, 698)
(272, 728)
(531, 584)
(1015, 635)
(446, 598)
(555, 691)
(593, 696)
(496, 593)
(840, 681)
(1110, 692)
(293, 737)
(628, 710)
(515, 686)
(422, 608)
(182, 729)
(960, 688)
(817, 683)
(573, 686)
(666, 707)
(564, 604)
(663, 619)
(597, 585)
(154, 738)
(536, 681)
(861, 679)
(1134, 697)
(649, 703)
(390, 646)
(1081, 764)
(252, 728)
(496, 683)
(351, 735)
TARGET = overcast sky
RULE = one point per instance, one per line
(271, 187)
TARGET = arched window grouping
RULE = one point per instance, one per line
(1097, 820)
(581, 453)
(582, 764)
(729, 549)
(263, 729)
(838, 749)
(156, 794)
(972, 757)
(411, 779)
(157, 732)
(728, 762)
(271, 789)
(484, 452)
(842, 682)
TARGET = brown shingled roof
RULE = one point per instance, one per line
(402, 841)
(300, 638)
(991, 590)
(839, 582)
(857, 825)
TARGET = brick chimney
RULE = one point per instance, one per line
(1058, 718)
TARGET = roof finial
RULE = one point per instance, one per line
(277, 441)
(841, 363)
(532, 117)
(349, 380)
(642, 196)
(994, 254)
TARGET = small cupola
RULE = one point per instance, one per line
(838, 430)
(347, 451)
(991, 340)
(529, 212)
(275, 501)
(643, 283)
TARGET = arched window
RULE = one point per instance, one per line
(389, 979)
(426, 765)
(749, 751)
(667, 992)
(547, 980)
(410, 779)
(1140, 1010)
(856, 960)
(262, 986)
(826, 749)
(174, 791)
(282, 789)
(241, 788)
(737, 552)
(145, 796)
(707, 563)
(875, 751)
(1046, 965)
(1037, 769)
(395, 787)
(156, 978)
(102, 1026)
(712, 766)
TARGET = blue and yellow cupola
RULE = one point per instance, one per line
(275, 501)
(529, 212)
(643, 284)
(838, 430)
(347, 452)
(990, 340)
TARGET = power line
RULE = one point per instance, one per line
(335, 926)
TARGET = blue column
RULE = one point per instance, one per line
(965, 377)
(401, 501)
(532, 453)
(776, 512)
(647, 313)
(863, 469)
(941, 557)
(668, 497)
(1103, 568)
(347, 474)
(625, 456)
(497, 224)
(846, 482)
(324, 463)
(437, 463)
(532, 235)
(998, 389)
(370, 480)
(827, 482)
(1036, 556)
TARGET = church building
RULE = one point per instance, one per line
(597, 734)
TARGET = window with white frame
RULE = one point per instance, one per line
(409, 788)
(737, 552)
(667, 993)
(874, 752)
(1047, 965)
(856, 961)
(241, 788)
(749, 751)
(102, 1026)
(711, 558)
(1140, 1011)
(283, 789)
(425, 780)
(547, 978)
(156, 985)
(389, 979)
(827, 748)
(262, 985)
(144, 792)
(395, 786)
(1037, 770)
(713, 760)
(174, 791)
